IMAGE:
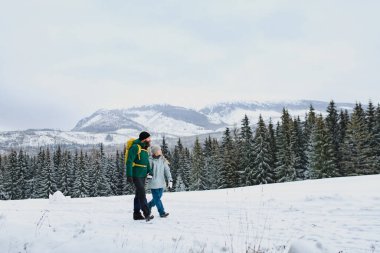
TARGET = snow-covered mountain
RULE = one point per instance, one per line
(180, 121)
(113, 127)
(232, 113)
(313, 216)
(169, 119)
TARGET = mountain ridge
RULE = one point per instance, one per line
(114, 126)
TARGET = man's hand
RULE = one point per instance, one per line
(130, 180)
(170, 185)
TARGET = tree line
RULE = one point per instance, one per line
(335, 145)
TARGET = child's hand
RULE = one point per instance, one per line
(149, 176)
(170, 185)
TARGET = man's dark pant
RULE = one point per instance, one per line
(140, 202)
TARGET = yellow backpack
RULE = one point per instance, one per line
(128, 146)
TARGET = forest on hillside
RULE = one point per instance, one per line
(335, 145)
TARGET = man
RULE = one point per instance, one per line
(138, 167)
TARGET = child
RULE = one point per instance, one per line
(161, 171)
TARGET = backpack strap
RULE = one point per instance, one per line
(138, 165)
(138, 155)
(138, 151)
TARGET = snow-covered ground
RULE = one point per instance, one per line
(329, 215)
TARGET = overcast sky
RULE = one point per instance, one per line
(63, 60)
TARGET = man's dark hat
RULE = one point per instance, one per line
(143, 135)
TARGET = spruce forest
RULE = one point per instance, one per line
(335, 145)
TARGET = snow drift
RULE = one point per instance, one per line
(313, 216)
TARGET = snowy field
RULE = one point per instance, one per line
(329, 215)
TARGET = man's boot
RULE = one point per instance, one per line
(138, 216)
(149, 217)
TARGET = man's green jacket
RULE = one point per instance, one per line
(138, 164)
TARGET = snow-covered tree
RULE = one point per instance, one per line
(175, 162)
(22, 167)
(376, 140)
(198, 177)
(322, 163)
(245, 149)
(3, 182)
(100, 181)
(41, 180)
(272, 145)
(165, 149)
(213, 162)
(285, 170)
(82, 180)
(228, 176)
(299, 147)
(58, 172)
(261, 172)
(358, 158)
(370, 117)
(333, 130)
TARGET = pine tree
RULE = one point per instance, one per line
(358, 159)
(175, 163)
(101, 185)
(114, 176)
(42, 177)
(223, 181)
(32, 177)
(333, 130)
(198, 178)
(29, 174)
(3, 194)
(244, 147)
(272, 145)
(261, 172)
(344, 119)
(22, 171)
(120, 176)
(322, 163)
(299, 147)
(309, 123)
(229, 176)
(207, 150)
(207, 147)
(376, 140)
(212, 162)
(181, 167)
(74, 174)
(308, 128)
(68, 176)
(81, 183)
(186, 168)
(58, 173)
(108, 172)
(373, 124)
(7, 179)
(285, 170)
(370, 117)
(165, 149)
(15, 175)
(52, 184)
